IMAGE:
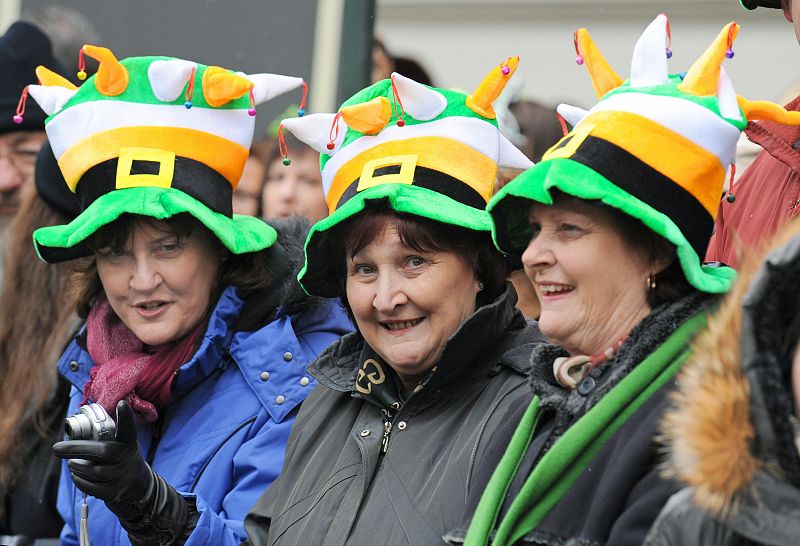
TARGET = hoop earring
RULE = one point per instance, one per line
(651, 282)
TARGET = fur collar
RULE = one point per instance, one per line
(652, 331)
(286, 258)
(731, 415)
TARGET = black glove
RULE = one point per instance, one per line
(114, 471)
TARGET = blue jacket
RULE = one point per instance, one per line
(223, 437)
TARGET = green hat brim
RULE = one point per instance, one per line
(511, 232)
(240, 234)
(318, 276)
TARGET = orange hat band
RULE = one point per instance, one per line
(222, 155)
(444, 155)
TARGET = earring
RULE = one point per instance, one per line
(651, 282)
(480, 286)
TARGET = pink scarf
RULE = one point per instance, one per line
(125, 369)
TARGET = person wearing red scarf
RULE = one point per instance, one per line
(197, 334)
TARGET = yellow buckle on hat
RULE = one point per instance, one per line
(567, 146)
(161, 179)
(407, 164)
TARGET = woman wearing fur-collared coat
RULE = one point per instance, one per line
(734, 434)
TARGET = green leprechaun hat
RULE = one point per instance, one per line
(655, 147)
(154, 136)
(429, 152)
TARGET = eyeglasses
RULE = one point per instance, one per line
(23, 157)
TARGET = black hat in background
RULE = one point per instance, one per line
(22, 48)
(52, 187)
(753, 4)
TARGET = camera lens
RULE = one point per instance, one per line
(78, 427)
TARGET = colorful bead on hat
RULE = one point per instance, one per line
(656, 147)
(430, 152)
(154, 136)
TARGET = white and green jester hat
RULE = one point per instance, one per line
(428, 152)
(154, 136)
(656, 147)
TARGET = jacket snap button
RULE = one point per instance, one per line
(280, 399)
(73, 365)
(304, 381)
(587, 385)
(401, 425)
(264, 376)
(287, 356)
(365, 432)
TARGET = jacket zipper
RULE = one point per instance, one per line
(389, 423)
(387, 430)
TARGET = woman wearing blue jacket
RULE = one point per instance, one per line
(197, 335)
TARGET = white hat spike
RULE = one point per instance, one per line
(649, 64)
(169, 78)
(572, 114)
(315, 131)
(510, 157)
(419, 101)
(268, 86)
(728, 101)
(50, 98)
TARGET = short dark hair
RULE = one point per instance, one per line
(248, 272)
(423, 235)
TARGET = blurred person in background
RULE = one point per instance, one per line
(68, 29)
(248, 193)
(533, 128)
(197, 335)
(293, 185)
(22, 48)
(384, 63)
(768, 193)
(539, 126)
(37, 320)
(733, 430)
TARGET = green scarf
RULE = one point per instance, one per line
(565, 461)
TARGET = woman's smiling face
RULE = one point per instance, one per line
(407, 303)
(159, 282)
(592, 285)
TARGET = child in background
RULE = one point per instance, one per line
(294, 189)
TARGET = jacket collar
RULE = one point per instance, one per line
(76, 363)
(781, 141)
(213, 350)
(645, 338)
(468, 351)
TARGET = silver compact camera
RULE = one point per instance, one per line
(92, 422)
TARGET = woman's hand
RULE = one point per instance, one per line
(112, 470)
(115, 472)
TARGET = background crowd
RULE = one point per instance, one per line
(429, 316)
